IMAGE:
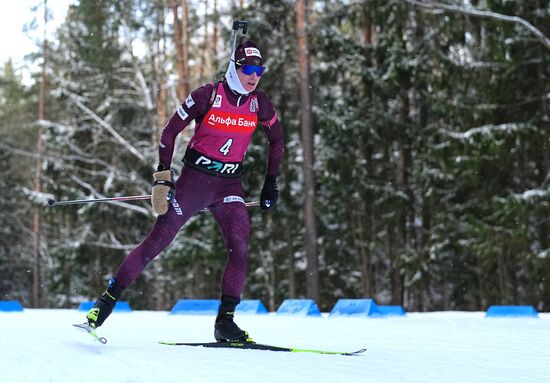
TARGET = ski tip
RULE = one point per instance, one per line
(358, 352)
(90, 330)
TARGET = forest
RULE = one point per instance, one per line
(417, 152)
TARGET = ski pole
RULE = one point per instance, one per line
(52, 202)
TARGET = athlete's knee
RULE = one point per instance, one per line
(237, 250)
(159, 238)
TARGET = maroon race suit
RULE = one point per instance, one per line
(211, 176)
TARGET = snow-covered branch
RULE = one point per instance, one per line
(432, 5)
(113, 246)
(139, 73)
(532, 194)
(489, 130)
(105, 125)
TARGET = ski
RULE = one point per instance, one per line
(259, 346)
(90, 330)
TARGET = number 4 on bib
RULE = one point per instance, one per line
(225, 147)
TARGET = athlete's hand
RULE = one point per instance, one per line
(162, 187)
(270, 193)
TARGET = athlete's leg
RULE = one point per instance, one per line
(233, 221)
(191, 196)
(194, 191)
(231, 215)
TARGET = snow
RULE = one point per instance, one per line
(532, 194)
(489, 130)
(42, 346)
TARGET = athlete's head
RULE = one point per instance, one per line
(245, 68)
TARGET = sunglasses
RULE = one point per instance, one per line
(249, 69)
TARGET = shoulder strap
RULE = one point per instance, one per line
(214, 93)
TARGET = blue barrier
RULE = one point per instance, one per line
(511, 311)
(10, 306)
(196, 307)
(120, 307)
(251, 306)
(391, 310)
(299, 307)
(356, 308)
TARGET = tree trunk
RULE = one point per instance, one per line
(543, 74)
(367, 27)
(181, 41)
(424, 294)
(271, 267)
(215, 34)
(186, 83)
(159, 60)
(287, 196)
(404, 216)
(367, 274)
(36, 226)
(366, 268)
(288, 232)
(204, 68)
(312, 270)
(391, 251)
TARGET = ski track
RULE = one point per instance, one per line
(42, 346)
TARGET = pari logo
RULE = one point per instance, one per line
(217, 166)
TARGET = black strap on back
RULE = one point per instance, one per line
(214, 94)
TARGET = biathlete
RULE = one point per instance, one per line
(226, 114)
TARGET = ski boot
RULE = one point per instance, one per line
(225, 329)
(104, 305)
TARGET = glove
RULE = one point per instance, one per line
(163, 191)
(270, 193)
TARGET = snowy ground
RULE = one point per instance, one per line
(42, 346)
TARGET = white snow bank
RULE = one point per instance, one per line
(42, 346)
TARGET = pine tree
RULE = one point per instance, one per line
(15, 159)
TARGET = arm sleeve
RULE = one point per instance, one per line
(274, 133)
(194, 106)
